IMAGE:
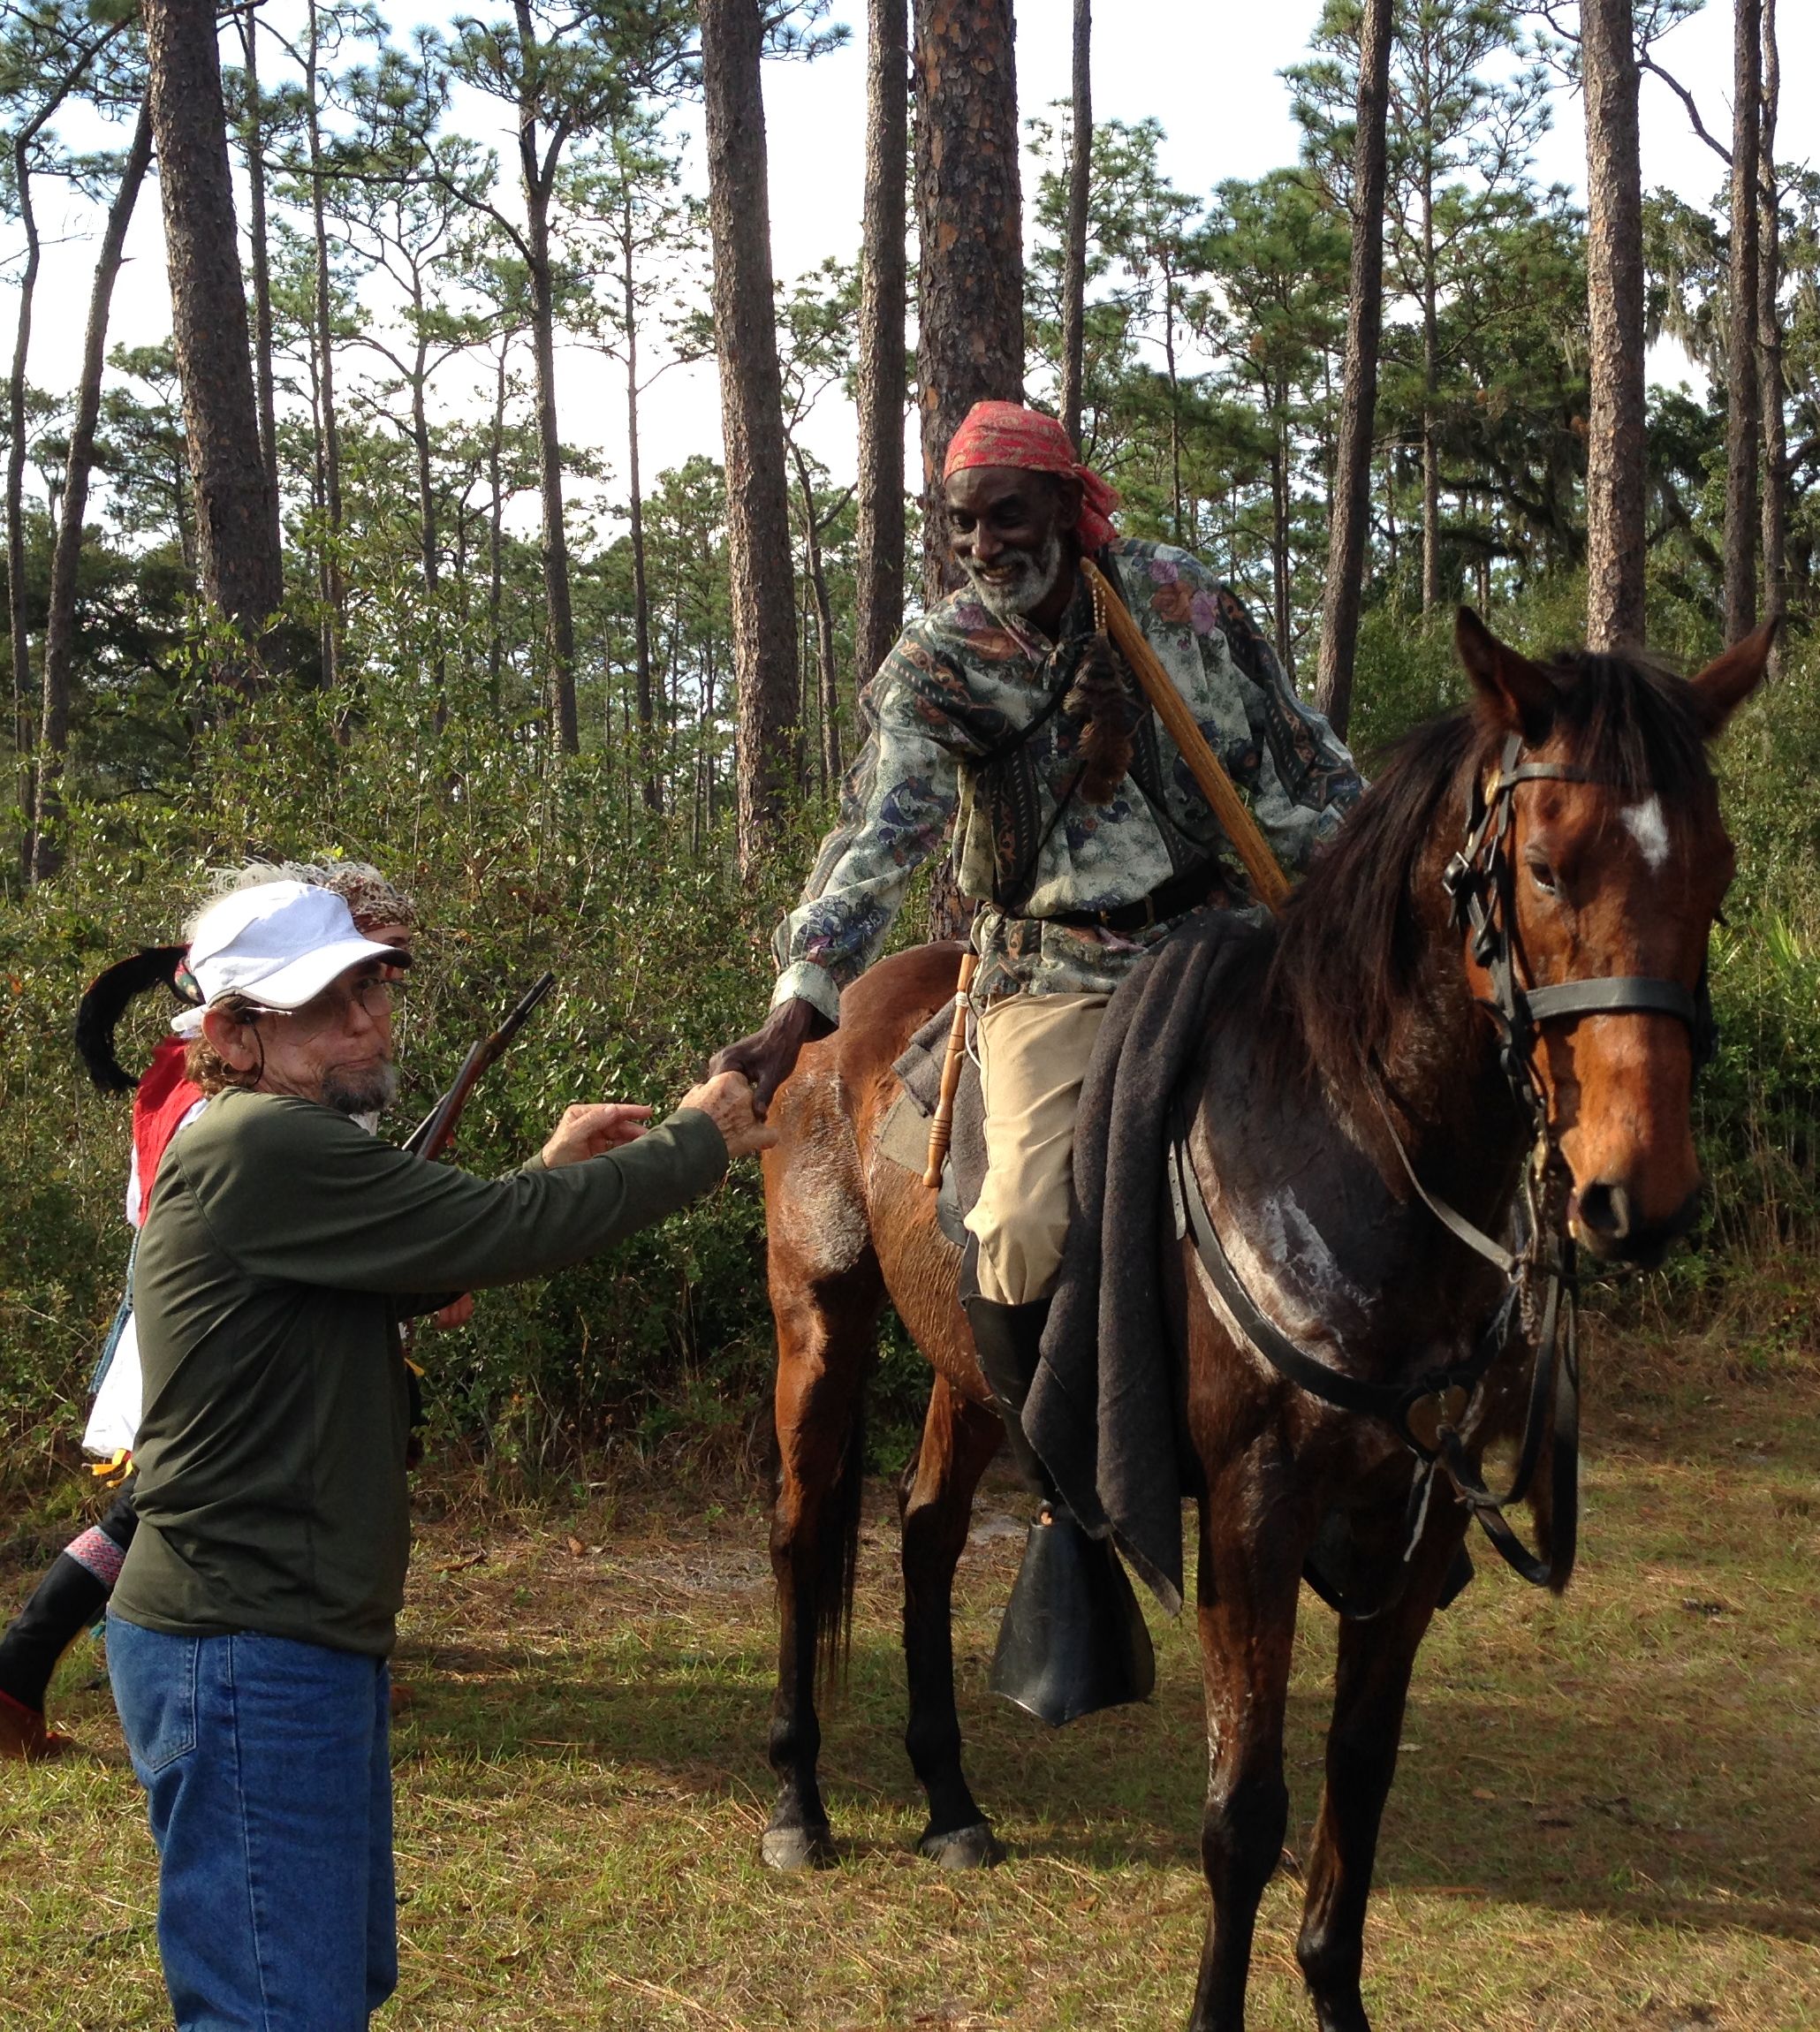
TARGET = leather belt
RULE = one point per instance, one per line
(1179, 894)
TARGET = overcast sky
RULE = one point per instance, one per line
(1206, 69)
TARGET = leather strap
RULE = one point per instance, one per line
(1628, 993)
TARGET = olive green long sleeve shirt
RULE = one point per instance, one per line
(283, 1245)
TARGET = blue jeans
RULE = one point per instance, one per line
(268, 1775)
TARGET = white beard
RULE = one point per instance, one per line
(1012, 599)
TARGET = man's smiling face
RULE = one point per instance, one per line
(1008, 531)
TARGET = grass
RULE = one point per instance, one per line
(1608, 1814)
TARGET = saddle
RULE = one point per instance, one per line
(904, 1136)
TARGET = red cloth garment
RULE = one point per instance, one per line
(1007, 434)
(165, 1096)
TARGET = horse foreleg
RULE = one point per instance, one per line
(1371, 1683)
(824, 1347)
(934, 1502)
(1249, 1572)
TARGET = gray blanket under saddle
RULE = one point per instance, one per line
(905, 1135)
(1103, 1412)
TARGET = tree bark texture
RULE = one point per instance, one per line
(259, 240)
(329, 440)
(653, 789)
(1770, 332)
(1074, 252)
(60, 622)
(762, 587)
(1350, 525)
(827, 671)
(970, 301)
(880, 393)
(18, 626)
(1743, 408)
(1615, 466)
(1430, 406)
(242, 572)
(558, 610)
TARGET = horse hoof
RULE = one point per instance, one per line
(798, 1847)
(975, 1847)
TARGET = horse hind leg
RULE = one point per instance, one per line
(935, 1504)
(826, 1328)
(1371, 1684)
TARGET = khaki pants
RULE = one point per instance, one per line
(1033, 1050)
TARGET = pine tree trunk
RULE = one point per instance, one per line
(1769, 334)
(241, 568)
(1615, 464)
(1282, 582)
(762, 580)
(558, 610)
(1742, 409)
(970, 298)
(258, 240)
(640, 592)
(1349, 531)
(1430, 422)
(496, 538)
(1074, 252)
(18, 624)
(60, 622)
(333, 579)
(880, 393)
(827, 671)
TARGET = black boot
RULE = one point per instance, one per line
(1073, 1639)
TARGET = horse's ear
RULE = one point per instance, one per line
(1728, 680)
(1520, 696)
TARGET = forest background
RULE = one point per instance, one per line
(499, 272)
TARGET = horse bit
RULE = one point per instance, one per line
(1480, 881)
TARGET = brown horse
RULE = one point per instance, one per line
(1361, 1019)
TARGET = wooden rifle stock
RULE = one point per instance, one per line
(434, 1134)
(941, 1128)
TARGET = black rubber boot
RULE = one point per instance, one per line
(1073, 1639)
(65, 1603)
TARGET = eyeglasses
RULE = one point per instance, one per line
(334, 1008)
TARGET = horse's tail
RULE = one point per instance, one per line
(99, 1013)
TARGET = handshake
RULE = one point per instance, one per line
(593, 1127)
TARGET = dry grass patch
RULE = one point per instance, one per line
(1608, 1815)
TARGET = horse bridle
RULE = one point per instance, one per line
(1480, 881)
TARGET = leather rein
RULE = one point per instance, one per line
(1430, 1414)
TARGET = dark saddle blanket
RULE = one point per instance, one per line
(903, 1137)
(1101, 1412)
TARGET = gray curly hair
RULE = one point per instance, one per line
(369, 896)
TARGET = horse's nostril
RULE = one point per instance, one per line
(1605, 1210)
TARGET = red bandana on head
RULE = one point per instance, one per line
(1007, 434)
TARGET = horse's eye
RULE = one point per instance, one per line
(1541, 873)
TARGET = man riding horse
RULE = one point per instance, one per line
(1082, 836)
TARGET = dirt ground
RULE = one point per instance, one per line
(1607, 1814)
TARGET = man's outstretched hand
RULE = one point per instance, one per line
(591, 1128)
(769, 1056)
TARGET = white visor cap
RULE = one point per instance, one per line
(279, 945)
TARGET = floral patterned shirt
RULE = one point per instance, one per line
(960, 687)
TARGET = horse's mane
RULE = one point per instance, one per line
(1344, 964)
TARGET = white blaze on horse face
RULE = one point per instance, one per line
(1647, 826)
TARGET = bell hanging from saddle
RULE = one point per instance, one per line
(1073, 1639)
